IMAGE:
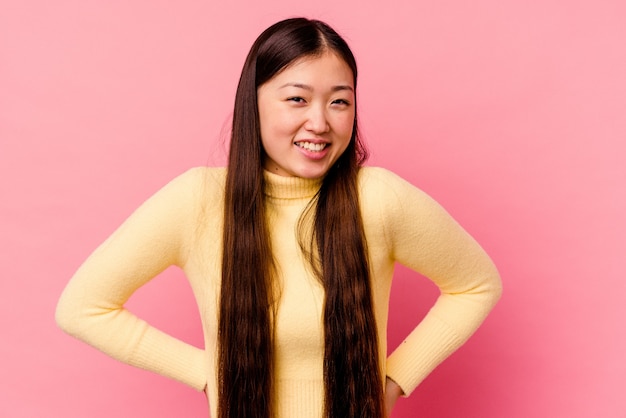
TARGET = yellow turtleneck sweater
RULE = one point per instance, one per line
(182, 225)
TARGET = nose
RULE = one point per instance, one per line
(317, 122)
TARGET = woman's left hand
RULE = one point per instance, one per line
(392, 393)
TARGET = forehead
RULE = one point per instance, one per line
(325, 69)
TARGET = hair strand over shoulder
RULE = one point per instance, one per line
(336, 249)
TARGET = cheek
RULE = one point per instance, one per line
(345, 125)
(267, 114)
(274, 133)
(276, 123)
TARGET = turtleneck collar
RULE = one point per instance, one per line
(282, 187)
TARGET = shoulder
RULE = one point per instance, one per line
(196, 181)
(393, 197)
(187, 192)
(369, 175)
(198, 175)
(379, 182)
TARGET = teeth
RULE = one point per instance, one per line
(310, 146)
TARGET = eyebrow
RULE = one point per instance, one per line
(307, 87)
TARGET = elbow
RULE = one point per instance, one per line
(499, 291)
(495, 288)
(67, 315)
(63, 316)
(489, 289)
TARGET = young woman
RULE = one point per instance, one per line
(290, 253)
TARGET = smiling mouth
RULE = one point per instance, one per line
(309, 146)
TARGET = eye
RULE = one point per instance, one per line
(296, 99)
(342, 102)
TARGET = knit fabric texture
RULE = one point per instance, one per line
(181, 225)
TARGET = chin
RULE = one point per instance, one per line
(311, 173)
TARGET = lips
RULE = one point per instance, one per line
(312, 146)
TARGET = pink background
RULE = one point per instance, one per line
(511, 113)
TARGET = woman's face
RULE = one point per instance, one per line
(307, 114)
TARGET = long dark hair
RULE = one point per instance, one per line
(336, 250)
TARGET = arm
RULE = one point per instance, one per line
(425, 238)
(91, 307)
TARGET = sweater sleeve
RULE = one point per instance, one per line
(425, 238)
(91, 307)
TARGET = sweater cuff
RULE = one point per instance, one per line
(423, 350)
(188, 365)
